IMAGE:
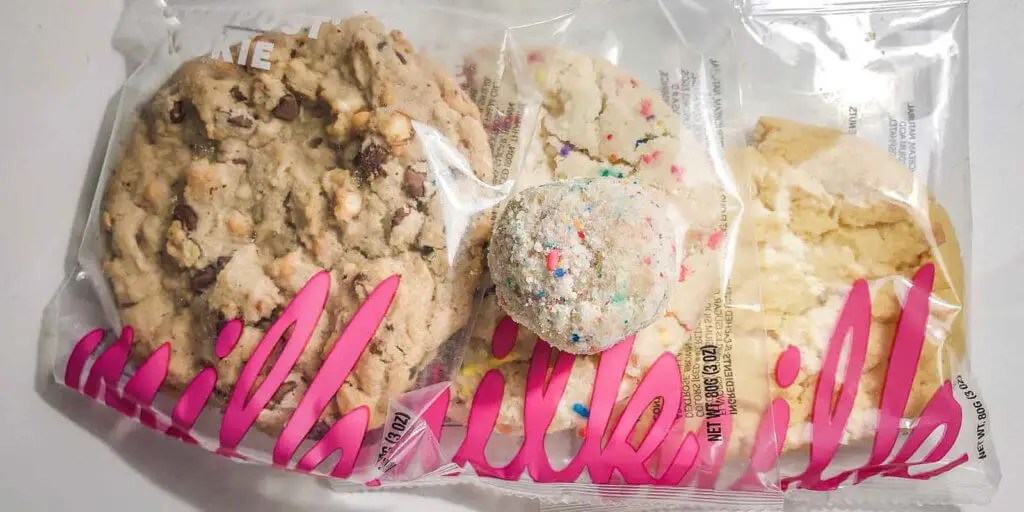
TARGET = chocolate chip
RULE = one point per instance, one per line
(240, 161)
(399, 216)
(319, 430)
(320, 109)
(381, 45)
(202, 279)
(294, 53)
(371, 158)
(240, 120)
(287, 108)
(315, 142)
(237, 94)
(401, 57)
(413, 183)
(186, 215)
(177, 113)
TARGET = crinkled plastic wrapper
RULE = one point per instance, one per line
(646, 92)
(856, 114)
(285, 260)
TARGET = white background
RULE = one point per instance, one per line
(59, 74)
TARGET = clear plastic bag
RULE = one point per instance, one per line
(371, 384)
(857, 114)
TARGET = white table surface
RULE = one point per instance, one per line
(59, 72)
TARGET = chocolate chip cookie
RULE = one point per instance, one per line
(238, 184)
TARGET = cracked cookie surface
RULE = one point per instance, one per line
(238, 184)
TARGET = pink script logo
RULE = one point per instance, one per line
(606, 452)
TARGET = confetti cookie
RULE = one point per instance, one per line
(238, 184)
(830, 208)
(574, 407)
(584, 263)
(623, 129)
(598, 120)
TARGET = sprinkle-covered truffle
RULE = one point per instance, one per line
(584, 263)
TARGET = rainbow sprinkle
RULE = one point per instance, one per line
(715, 239)
(644, 140)
(683, 272)
(553, 258)
(651, 157)
(533, 57)
(580, 409)
(608, 137)
(645, 108)
(565, 150)
(559, 272)
(575, 338)
(677, 172)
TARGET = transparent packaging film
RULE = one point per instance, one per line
(856, 116)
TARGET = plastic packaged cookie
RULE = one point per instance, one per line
(614, 110)
(289, 231)
(857, 160)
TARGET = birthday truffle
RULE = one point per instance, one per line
(584, 263)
